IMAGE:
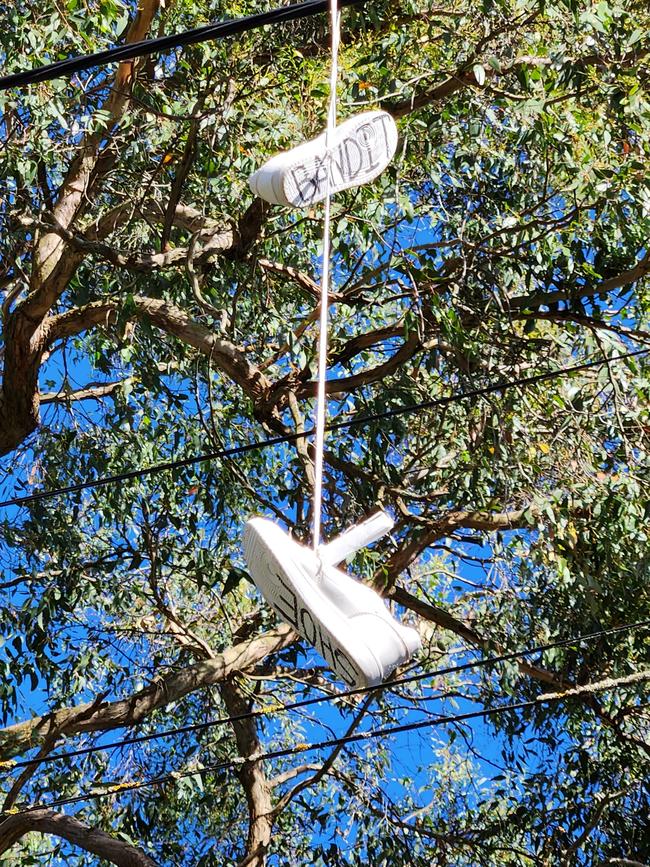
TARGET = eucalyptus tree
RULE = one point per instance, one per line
(153, 310)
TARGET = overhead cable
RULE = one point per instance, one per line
(308, 702)
(373, 734)
(355, 421)
(133, 50)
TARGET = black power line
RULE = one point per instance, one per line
(389, 684)
(219, 30)
(373, 734)
(503, 385)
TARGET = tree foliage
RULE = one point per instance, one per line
(152, 309)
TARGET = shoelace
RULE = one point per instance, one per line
(321, 397)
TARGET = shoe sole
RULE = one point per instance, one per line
(285, 573)
(362, 148)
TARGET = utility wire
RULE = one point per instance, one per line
(389, 684)
(145, 47)
(356, 421)
(373, 734)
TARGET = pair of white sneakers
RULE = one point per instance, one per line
(360, 150)
(347, 622)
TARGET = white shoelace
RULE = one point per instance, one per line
(321, 397)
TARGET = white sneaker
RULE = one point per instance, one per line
(361, 149)
(347, 622)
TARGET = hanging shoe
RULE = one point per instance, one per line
(361, 149)
(347, 622)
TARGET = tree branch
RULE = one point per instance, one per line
(141, 262)
(27, 340)
(464, 77)
(92, 391)
(53, 265)
(349, 383)
(327, 764)
(588, 321)
(563, 687)
(251, 775)
(176, 322)
(92, 840)
(291, 773)
(303, 280)
(632, 275)
(164, 690)
(445, 526)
